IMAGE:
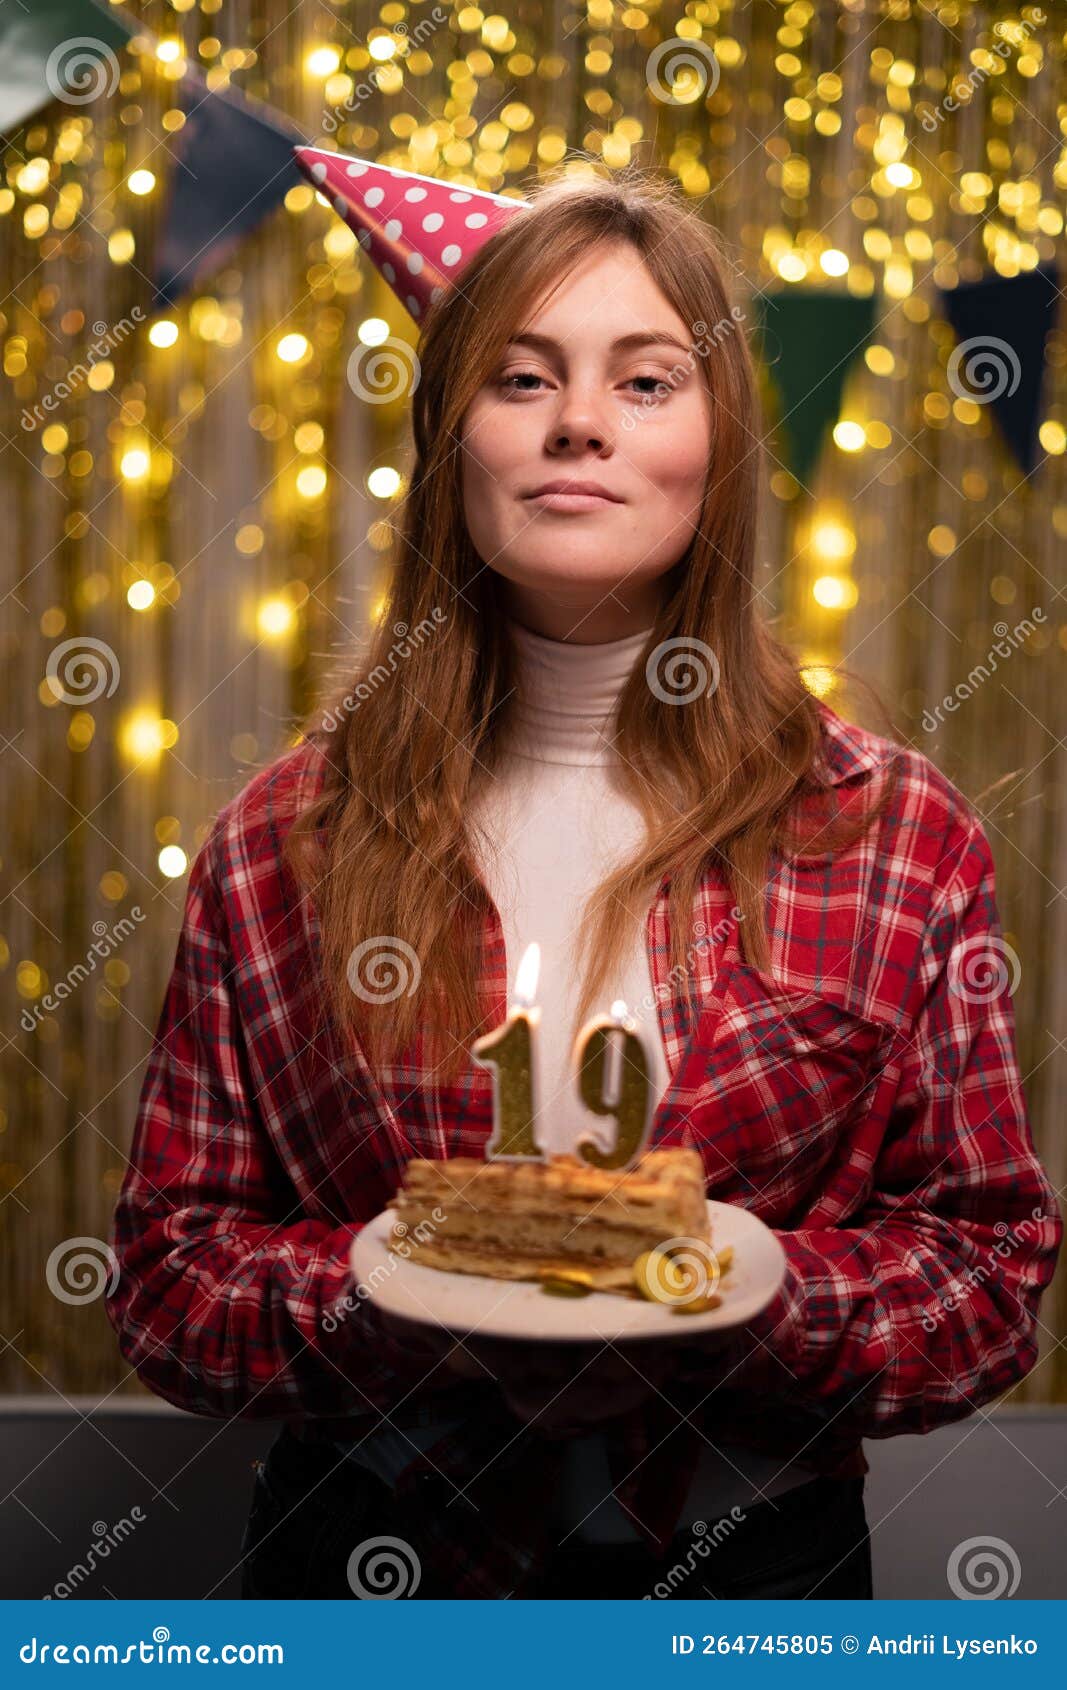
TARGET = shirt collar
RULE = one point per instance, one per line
(847, 750)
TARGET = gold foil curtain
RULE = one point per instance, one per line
(201, 511)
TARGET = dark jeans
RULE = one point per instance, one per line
(810, 1541)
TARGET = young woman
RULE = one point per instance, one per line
(572, 725)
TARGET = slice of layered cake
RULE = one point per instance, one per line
(556, 1219)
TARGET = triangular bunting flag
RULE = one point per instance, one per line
(65, 50)
(809, 339)
(999, 358)
(233, 163)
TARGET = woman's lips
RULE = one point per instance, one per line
(571, 501)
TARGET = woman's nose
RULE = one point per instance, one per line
(580, 424)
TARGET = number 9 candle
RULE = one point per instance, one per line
(612, 1068)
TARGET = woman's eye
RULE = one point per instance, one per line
(657, 386)
(526, 381)
(510, 381)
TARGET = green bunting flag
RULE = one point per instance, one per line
(1002, 324)
(66, 50)
(809, 338)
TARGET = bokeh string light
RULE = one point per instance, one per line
(200, 504)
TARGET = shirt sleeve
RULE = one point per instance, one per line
(229, 1300)
(925, 1306)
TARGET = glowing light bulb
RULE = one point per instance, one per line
(322, 62)
(172, 861)
(292, 347)
(834, 592)
(791, 267)
(372, 331)
(850, 436)
(140, 595)
(141, 182)
(164, 333)
(383, 483)
(832, 541)
(834, 262)
(311, 482)
(33, 177)
(144, 735)
(275, 618)
(134, 465)
(819, 678)
(827, 591)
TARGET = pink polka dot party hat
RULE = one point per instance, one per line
(419, 232)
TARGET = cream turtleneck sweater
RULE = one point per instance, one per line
(547, 829)
(555, 821)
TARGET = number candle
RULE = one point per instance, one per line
(613, 1080)
(509, 1052)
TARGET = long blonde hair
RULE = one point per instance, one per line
(385, 850)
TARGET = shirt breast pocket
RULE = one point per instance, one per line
(774, 1084)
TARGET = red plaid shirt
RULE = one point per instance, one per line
(863, 1099)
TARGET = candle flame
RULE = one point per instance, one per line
(526, 978)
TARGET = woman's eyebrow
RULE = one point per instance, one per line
(624, 343)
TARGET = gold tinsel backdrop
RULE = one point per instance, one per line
(204, 510)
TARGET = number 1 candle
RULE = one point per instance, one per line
(509, 1052)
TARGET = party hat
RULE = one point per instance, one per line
(418, 231)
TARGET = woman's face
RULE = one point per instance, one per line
(585, 393)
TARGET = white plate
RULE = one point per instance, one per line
(518, 1308)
